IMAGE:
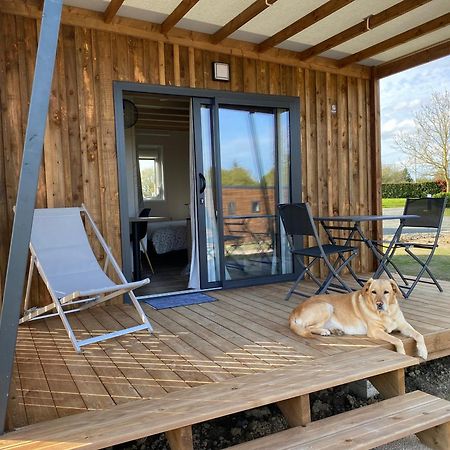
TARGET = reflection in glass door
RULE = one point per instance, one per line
(209, 242)
(254, 178)
(245, 167)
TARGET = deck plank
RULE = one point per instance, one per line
(107, 370)
(255, 352)
(321, 344)
(197, 352)
(36, 394)
(172, 360)
(65, 392)
(211, 344)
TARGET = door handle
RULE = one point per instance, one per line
(202, 182)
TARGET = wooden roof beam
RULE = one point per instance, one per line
(81, 17)
(303, 23)
(177, 14)
(237, 22)
(399, 39)
(414, 59)
(111, 10)
(366, 25)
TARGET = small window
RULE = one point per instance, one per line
(231, 208)
(151, 172)
(256, 207)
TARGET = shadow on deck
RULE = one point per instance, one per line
(244, 332)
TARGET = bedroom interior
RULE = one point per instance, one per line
(157, 149)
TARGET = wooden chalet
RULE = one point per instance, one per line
(208, 113)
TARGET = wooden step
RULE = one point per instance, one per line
(367, 427)
(175, 412)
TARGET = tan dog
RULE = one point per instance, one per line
(373, 311)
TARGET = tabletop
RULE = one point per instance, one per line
(148, 219)
(368, 218)
(249, 216)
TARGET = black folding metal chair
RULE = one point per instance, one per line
(234, 239)
(430, 212)
(298, 222)
(142, 237)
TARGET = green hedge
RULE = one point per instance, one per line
(410, 190)
(442, 195)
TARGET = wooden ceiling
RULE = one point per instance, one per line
(366, 38)
(159, 112)
(385, 34)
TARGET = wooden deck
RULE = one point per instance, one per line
(244, 332)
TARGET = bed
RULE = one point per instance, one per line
(168, 236)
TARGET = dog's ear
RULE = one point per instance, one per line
(397, 292)
(366, 287)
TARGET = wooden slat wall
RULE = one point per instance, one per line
(80, 163)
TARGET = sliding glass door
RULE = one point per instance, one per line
(245, 167)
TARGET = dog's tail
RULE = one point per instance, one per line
(298, 327)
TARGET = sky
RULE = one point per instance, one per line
(401, 95)
(238, 145)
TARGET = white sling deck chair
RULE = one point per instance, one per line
(62, 254)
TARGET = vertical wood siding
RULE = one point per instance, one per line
(80, 161)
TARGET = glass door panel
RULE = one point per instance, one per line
(244, 168)
(284, 181)
(254, 178)
(209, 242)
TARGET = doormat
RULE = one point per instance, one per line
(172, 301)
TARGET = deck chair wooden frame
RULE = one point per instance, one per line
(65, 299)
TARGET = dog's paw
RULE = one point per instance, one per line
(337, 332)
(422, 351)
(401, 349)
(325, 332)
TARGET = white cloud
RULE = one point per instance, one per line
(393, 125)
(401, 96)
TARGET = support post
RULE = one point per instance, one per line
(390, 384)
(296, 410)
(375, 159)
(26, 195)
(437, 437)
(180, 439)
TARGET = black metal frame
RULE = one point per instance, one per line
(305, 226)
(354, 230)
(397, 243)
(214, 97)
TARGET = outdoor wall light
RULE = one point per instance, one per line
(221, 71)
(333, 109)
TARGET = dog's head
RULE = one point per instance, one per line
(380, 294)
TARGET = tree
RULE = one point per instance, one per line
(148, 183)
(269, 178)
(237, 176)
(392, 174)
(429, 143)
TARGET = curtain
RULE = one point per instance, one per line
(194, 271)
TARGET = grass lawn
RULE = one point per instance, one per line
(400, 203)
(393, 202)
(439, 266)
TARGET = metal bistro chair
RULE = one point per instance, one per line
(298, 222)
(234, 238)
(142, 237)
(430, 212)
